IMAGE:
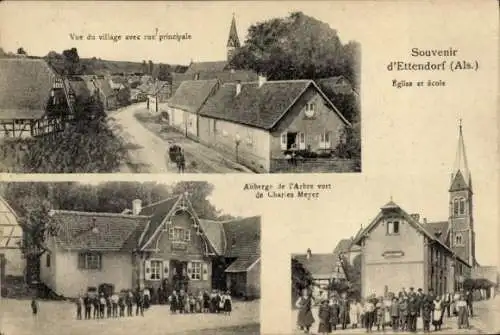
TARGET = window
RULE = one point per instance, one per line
(215, 126)
(179, 234)
(90, 261)
(458, 239)
(196, 270)
(156, 269)
(197, 76)
(462, 206)
(325, 140)
(47, 260)
(392, 227)
(310, 107)
(284, 141)
(302, 141)
(455, 207)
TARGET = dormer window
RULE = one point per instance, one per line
(310, 109)
(393, 227)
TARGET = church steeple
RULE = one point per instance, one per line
(460, 178)
(462, 235)
(233, 42)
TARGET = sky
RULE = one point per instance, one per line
(207, 22)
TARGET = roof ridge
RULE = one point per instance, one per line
(235, 219)
(160, 201)
(62, 211)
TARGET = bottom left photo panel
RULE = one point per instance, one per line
(128, 258)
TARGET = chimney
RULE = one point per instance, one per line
(425, 220)
(262, 80)
(238, 87)
(308, 253)
(136, 206)
(415, 217)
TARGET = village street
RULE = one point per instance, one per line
(148, 150)
(59, 318)
(485, 321)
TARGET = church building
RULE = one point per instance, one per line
(428, 255)
(220, 69)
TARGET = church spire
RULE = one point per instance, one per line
(233, 41)
(461, 167)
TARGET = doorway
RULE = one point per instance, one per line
(180, 278)
(219, 266)
(291, 140)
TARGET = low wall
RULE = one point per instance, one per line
(316, 165)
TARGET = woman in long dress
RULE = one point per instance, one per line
(437, 313)
(334, 313)
(305, 318)
(354, 313)
(463, 313)
(324, 318)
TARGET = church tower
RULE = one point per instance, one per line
(462, 236)
(233, 42)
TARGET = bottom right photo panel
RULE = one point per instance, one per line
(375, 262)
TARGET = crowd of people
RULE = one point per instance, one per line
(398, 312)
(115, 305)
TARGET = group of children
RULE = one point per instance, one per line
(203, 302)
(398, 312)
(100, 306)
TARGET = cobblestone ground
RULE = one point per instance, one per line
(485, 321)
(59, 318)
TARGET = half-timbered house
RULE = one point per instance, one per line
(34, 100)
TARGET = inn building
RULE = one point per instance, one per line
(163, 243)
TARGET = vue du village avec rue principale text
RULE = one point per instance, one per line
(432, 66)
(287, 191)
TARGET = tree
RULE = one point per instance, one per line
(353, 274)
(349, 146)
(123, 96)
(164, 73)
(301, 278)
(296, 47)
(71, 62)
(21, 51)
(87, 145)
(198, 193)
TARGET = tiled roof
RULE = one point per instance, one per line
(199, 67)
(25, 87)
(214, 230)
(242, 237)
(438, 229)
(157, 212)
(242, 264)
(105, 87)
(258, 107)
(223, 76)
(80, 88)
(344, 245)
(115, 232)
(319, 265)
(192, 94)
(335, 85)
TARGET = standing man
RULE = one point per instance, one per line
(469, 303)
(447, 303)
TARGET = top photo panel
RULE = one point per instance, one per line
(178, 88)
